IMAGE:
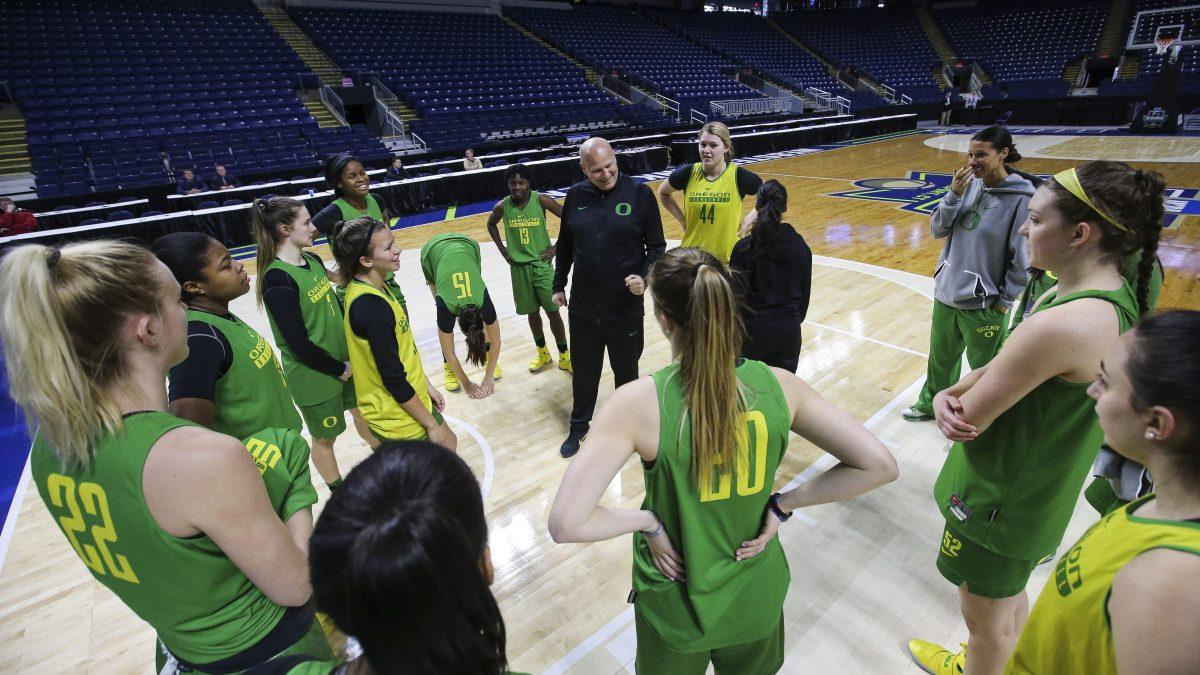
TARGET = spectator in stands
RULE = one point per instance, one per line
(223, 180)
(947, 106)
(470, 161)
(190, 184)
(396, 171)
(14, 221)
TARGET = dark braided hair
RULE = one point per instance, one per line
(1132, 197)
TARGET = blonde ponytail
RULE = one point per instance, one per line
(61, 315)
(266, 215)
(693, 288)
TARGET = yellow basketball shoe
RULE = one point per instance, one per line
(564, 362)
(936, 659)
(451, 380)
(498, 374)
(541, 360)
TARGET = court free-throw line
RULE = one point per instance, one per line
(794, 175)
(868, 339)
(489, 463)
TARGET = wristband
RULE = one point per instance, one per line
(773, 504)
(657, 531)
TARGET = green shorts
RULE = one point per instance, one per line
(533, 287)
(763, 656)
(312, 644)
(327, 419)
(985, 573)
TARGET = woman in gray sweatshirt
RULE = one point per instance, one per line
(983, 265)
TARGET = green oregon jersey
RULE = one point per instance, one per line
(1069, 629)
(1018, 481)
(712, 210)
(281, 456)
(322, 314)
(724, 602)
(379, 408)
(375, 210)
(201, 605)
(252, 394)
(1042, 281)
(350, 213)
(451, 262)
(525, 233)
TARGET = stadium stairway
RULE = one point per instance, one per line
(936, 38)
(766, 76)
(934, 32)
(397, 105)
(14, 154)
(589, 73)
(325, 118)
(313, 57)
(829, 66)
(1116, 24)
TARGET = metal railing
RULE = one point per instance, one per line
(393, 124)
(827, 101)
(698, 116)
(892, 96)
(750, 106)
(418, 140)
(334, 102)
(669, 104)
(616, 87)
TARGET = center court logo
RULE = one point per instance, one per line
(920, 192)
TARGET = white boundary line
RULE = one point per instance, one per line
(868, 339)
(14, 509)
(587, 646)
(489, 464)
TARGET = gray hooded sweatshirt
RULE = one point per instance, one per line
(985, 258)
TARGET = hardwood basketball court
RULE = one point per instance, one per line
(863, 576)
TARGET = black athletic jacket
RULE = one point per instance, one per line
(607, 236)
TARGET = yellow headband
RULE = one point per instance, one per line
(1070, 180)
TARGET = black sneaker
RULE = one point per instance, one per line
(571, 445)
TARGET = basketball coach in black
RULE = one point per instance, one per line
(611, 232)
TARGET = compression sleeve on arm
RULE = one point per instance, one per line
(282, 298)
(374, 321)
(209, 358)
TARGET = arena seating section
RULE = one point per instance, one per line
(115, 92)
(632, 44)
(105, 87)
(750, 41)
(464, 73)
(1025, 45)
(890, 45)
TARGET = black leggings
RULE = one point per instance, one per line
(623, 338)
(774, 341)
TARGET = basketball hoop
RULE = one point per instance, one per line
(1162, 44)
